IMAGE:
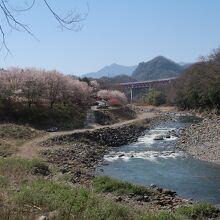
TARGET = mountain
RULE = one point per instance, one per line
(111, 71)
(157, 68)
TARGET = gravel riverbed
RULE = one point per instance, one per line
(202, 140)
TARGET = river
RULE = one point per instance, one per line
(150, 161)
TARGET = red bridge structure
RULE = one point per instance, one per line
(145, 84)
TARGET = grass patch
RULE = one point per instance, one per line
(72, 203)
(16, 170)
(13, 173)
(107, 184)
(163, 215)
(198, 211)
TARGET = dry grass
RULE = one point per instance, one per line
(12, 136)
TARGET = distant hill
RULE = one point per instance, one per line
(157, 68)
(111, 71)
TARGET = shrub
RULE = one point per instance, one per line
(155, 97)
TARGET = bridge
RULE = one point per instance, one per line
(145, 84)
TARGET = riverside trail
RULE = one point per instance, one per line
(29, 149)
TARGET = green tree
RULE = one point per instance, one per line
(155, 97)
(199, 86)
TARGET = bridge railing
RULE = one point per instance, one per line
(146, 84)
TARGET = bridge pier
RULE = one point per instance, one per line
(131, 93)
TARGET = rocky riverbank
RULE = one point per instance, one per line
(156, 199)
(80, 153)
(202, 140)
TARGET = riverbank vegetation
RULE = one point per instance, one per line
(28, 193)
(106, 184)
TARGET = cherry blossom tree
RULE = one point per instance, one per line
(54, 83)
(33, 86)
(112, 94)
(10, 83)
(94, 84)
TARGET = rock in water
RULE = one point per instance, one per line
(158, 138)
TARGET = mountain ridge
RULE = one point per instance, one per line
(111, 71)
(158, 68)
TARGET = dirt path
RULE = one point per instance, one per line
(29, 149)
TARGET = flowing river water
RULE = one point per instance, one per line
(150, 161)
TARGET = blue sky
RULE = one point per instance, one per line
(115, 31)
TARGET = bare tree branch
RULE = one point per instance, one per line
(70, 22)
(29, 6)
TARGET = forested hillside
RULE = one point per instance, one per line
(199, 86)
